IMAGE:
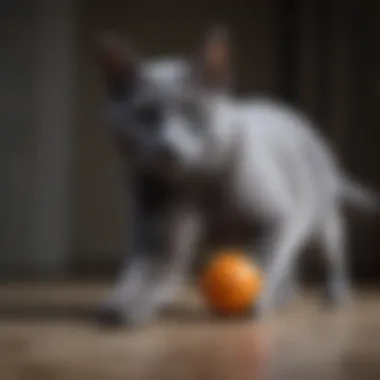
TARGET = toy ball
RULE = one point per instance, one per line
(231, 283)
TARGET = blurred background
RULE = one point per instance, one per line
(62, 201)
(61, 198)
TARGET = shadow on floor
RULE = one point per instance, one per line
(59, 312)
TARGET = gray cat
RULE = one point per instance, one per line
(200, 163)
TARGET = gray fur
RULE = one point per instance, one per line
(206, 162)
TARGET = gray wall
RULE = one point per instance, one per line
(17, 136)
(36, 119)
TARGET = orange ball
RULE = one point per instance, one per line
(231, 283)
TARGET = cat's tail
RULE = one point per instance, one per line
(358, 196)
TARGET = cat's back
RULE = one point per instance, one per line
(279, 131)
(269, 119)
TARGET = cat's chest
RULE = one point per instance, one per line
(226, 223)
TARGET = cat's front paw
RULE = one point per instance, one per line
(114, 317)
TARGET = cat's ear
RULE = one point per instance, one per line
(215, 58)
(114, 53)
(118, 63)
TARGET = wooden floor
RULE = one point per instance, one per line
(46, 332)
